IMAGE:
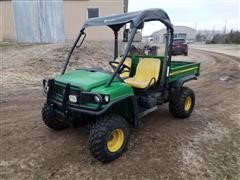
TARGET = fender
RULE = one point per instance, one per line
(179, 83)
(131, 100)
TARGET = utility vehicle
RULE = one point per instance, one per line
(112, 102)
(180, 46)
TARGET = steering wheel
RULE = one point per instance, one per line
(123, 68)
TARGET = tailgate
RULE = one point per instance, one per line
(179, 69)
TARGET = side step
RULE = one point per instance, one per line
(146, 112)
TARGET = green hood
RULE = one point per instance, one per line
(85, 79)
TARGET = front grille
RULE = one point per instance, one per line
(60, 93)
(86, 98)
(60, 90)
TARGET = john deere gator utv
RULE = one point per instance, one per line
(113, 101)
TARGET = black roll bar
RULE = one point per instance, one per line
(115, 44)
(165, 62)
(167, 59)
(170, 47)
(72, 49)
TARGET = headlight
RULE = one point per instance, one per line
(97, 99)
(72, 98)
(106, 98)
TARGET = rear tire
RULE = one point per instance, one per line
(185, 53)
(108, 137)
(50, 119)
(182, 103)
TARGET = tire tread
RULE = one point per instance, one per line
(176, 105)
(50, 120)
(98, 135)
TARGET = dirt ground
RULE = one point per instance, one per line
(228, 49)
(204, 146)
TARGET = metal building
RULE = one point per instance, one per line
(50, 21)
(179, 32)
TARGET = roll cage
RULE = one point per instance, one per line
(136, 19)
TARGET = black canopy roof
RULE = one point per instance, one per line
(138, 17)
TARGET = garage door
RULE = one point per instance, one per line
(39, 21)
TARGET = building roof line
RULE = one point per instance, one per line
(174, 28)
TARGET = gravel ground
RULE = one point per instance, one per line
(204, 146)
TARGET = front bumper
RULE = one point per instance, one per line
(63, 107)
(69, 110)
(58, 97)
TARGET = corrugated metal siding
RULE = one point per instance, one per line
(39, 21)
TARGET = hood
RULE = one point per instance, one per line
(83, 78)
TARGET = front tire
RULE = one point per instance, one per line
(108, 137)
(182, 103)
(50, 119)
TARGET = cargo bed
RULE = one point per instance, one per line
(178, 69)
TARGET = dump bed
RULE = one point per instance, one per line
(178, 69)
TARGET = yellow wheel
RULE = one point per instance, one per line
(182, 102)
(187, 103)
(109, 137)
(116, 140)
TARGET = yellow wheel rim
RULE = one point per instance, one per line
(116, 140)
(188, 103)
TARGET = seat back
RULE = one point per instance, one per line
(127, 62)
(147, 69)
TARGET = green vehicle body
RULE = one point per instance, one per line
(121, 96)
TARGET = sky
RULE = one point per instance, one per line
(198, 14)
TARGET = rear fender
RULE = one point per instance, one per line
(179, 83)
